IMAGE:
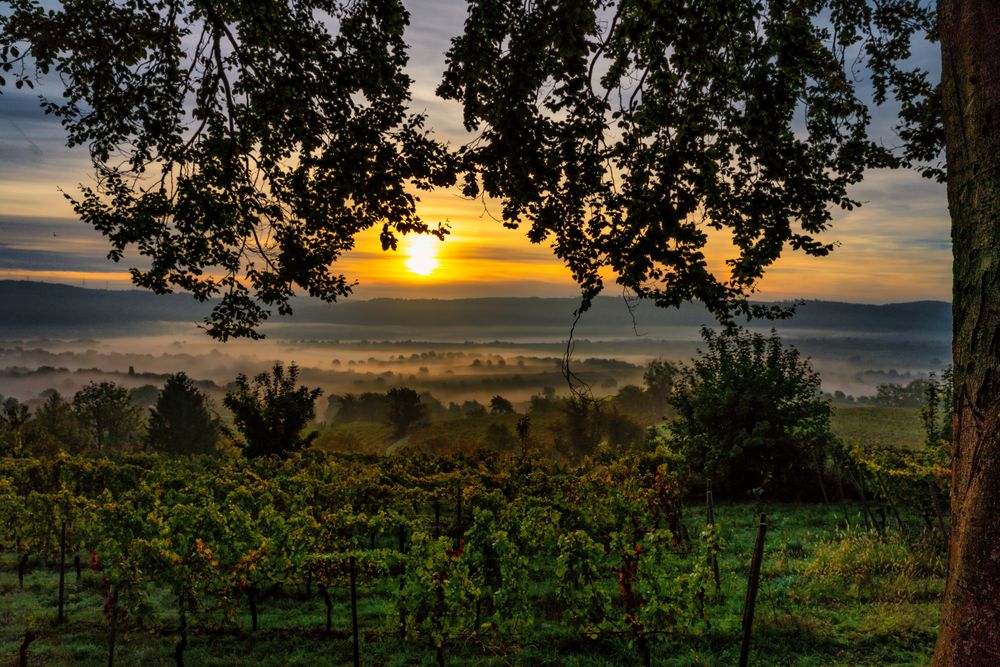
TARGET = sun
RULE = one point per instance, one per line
(422, 254)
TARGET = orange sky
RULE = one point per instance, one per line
(893, 249)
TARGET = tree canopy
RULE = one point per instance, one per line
(106, 411)
(271, 411)
(241, 146)
(750, 416)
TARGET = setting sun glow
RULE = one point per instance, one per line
(421, 254)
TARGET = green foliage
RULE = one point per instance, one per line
(903, 478)
(13, 417)
(750, 416)
(938, 409)
(107, 412)
(271, 411)
(535, 568)
(56, 427)
(437, 591)
(181, 422)
(500, 438)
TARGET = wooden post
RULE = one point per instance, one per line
(402, 582)
(329, 606)
(437, 518)
(252, 600)
(62, 573)
(354, 611)
(112, 623)
(182, 640)
(753, 584)
(22, 565)
(710, 505)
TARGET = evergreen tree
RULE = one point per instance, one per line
(181, 422)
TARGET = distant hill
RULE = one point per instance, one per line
(45, 309)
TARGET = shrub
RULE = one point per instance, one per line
(750, 416)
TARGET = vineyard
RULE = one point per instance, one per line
(413, 559)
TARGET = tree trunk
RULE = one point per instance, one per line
(22, 565)
(970, 621)
(61, 618)
(182, 639)
(252, 599)
(22, 651)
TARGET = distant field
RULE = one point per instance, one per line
(871, 425)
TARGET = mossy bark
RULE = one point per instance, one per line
(970, 41)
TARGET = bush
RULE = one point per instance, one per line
(271, 411)
(750, 416)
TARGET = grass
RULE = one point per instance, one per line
(873, 425)
(829, 596)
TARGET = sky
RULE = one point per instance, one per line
(896, 247)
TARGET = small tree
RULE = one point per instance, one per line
(13, 417)
(107, 411)
(271, 411)
(750, 415)
(659, 380)
(937, 414)
(501, 406)
(56, 427)
(181, 422)
(405, 409)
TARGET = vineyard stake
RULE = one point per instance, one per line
(62, 573)
(252, 600)
(22, 565)
(325, 594)
(751, 599)
(710, 503)
(437, 518)
(402, 581)
(182, 640)
(112, 623)
(354, 610)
